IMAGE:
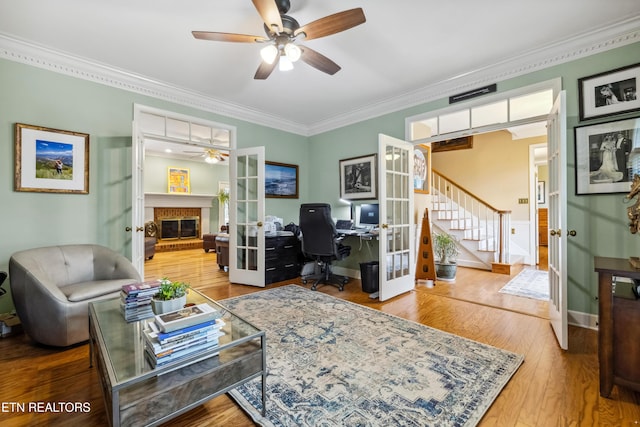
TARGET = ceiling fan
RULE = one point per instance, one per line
(210, 155)
(282, 34)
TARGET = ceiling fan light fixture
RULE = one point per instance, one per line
(269, 53)
(285, 64)
(211, 159)
(292, 51)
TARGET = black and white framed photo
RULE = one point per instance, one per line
(603, 156)
(359, 178)
(51, 160)
(609, 93)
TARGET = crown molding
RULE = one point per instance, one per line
(580, 46)
(615, 35)
(29, 53)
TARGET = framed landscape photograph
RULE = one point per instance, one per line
(178, 181)
(359, 178)
(51, 160)
(280, 180)
(608, 93)
(602, 156)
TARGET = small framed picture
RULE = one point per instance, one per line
(51, 160)
(540, 193)
(178, 181)
(602, 156)
(359, 178)
(280, 180)
(422, 169)
(609, 93)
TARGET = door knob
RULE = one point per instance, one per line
(385, 225)
(555, 232)
(572, 233)
(127, 229)
(139, 228)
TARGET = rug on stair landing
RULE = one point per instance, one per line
(529, 283)
(331, 362)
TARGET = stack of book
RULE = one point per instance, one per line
(182, 333)
(135, 300)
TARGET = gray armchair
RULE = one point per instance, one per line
(52, 287)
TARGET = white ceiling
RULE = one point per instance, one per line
(406, 53)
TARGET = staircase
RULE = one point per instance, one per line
(481, 229)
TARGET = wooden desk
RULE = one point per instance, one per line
(618, 336)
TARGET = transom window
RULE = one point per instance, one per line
(523, 105)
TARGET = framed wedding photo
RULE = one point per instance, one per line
(51, 160)
(602, 156)
(609, 93)
(359, 178)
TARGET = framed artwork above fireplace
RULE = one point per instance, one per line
(178, 181)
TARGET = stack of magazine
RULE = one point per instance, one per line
(182, 333)
(135, 300)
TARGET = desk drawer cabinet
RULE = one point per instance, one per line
(282, 258)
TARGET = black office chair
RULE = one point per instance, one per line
(321, 242)
(3, 276)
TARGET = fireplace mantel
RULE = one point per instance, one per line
(166, 200)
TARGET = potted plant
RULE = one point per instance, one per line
(171, 296)
(223, 196)
(445, 247)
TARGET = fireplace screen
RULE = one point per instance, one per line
(179, 228)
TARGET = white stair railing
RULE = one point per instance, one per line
(477, 219)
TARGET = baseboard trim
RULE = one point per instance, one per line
(583, 320)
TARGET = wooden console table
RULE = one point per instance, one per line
(618, 336)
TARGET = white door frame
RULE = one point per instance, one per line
(137, 190)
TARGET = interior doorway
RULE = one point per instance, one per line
(184, 140)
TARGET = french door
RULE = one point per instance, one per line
(137, 203)
(558, 233)
(246, 232)
(397, 248)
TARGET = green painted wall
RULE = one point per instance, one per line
(599, 220)
(39, 97)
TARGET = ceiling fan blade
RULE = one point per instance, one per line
(265, 69)
(332, 24)
(319, 61)
(227, 37)
(270, 14)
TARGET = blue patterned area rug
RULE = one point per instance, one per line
(335, 363)
(529, 283)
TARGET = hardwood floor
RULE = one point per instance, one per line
(552, 387)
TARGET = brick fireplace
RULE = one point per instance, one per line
(188, 218)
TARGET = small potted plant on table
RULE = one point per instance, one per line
(171, 296)
(445, 248)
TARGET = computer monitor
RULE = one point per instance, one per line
(369, 215)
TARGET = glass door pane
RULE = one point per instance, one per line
(247, 263)
(396, 206)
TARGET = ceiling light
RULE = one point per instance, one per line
(211, 159)
(293, 52)
(285, 64)
(269, 53)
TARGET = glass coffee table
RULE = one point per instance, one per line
(137, 394)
